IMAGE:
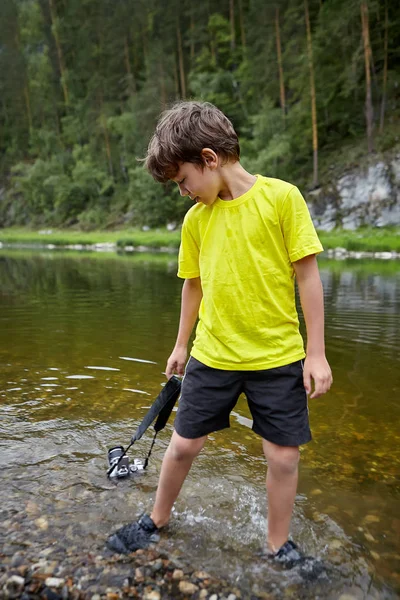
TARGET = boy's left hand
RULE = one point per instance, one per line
(318, 370)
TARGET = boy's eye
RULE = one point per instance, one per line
(181, 181)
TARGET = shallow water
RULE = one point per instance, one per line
(83, 344)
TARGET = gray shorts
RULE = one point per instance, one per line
(276, 398)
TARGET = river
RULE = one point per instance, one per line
(84, 338)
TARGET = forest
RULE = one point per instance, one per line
(82, 83)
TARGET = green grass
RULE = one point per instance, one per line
(369, 239)
(157, 238)
(366, 239)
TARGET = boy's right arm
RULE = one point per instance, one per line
(192, 294)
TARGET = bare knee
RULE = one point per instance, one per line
(183, 449)
(282, 460)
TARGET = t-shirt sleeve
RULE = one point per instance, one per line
(188, 254)
(299, 233)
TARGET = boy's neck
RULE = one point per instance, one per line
(235, 181)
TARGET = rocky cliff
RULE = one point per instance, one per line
(364, 195)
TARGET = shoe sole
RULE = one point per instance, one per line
(115, 544)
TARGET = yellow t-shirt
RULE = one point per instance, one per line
(243, 250)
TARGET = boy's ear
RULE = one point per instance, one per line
(210, 158)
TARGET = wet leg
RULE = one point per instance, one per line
(176, 464)
(282, 476)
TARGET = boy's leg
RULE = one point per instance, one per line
(282, 476)
(175, 466)
(208, 396)
(278, 403)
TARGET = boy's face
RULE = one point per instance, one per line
(202, 185)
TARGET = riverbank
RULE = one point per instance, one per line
(46, 569)
(37, 564)
(363, 243)
(126, 239)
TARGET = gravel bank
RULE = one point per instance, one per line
(58, 574)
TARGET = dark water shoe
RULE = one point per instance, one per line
(139, 534)
(290, 556)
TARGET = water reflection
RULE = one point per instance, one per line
(83, 344)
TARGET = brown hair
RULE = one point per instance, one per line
(181, 134)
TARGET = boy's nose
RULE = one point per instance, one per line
(183, 191)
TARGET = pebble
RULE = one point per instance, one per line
(13, 587)
(203, 594)
(32, 508)
(153, 595)
(335, 544)
(156, 565)
(371, 519)
(45, 553)
(347, 597)
(139, 576)
(187, 588)
(55, 582)
(22, 570)
(42, 523)
(177, 574)
(318, 518)
(213, 597)
(201, 575)
(17, 560)
(16, 579)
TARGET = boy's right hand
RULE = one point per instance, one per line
(176, 362)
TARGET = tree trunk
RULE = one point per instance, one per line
(180, 59)
(213, 45)
(312, 93)
(232, 22)
(162, 84)
(280, 68)
(131, 79)
(369, 113)
(385, 68)
(145, 46)
(106, 134)
(60, 55)
(191, 37)
(176, 77)
(213, 51)
(28, 106)
(242, 27)
(26, 86)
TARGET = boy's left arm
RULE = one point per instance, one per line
(316, 366)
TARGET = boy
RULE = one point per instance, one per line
(243, 242)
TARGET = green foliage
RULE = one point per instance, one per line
(34, 183)
(149, 204)
(82, 83)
